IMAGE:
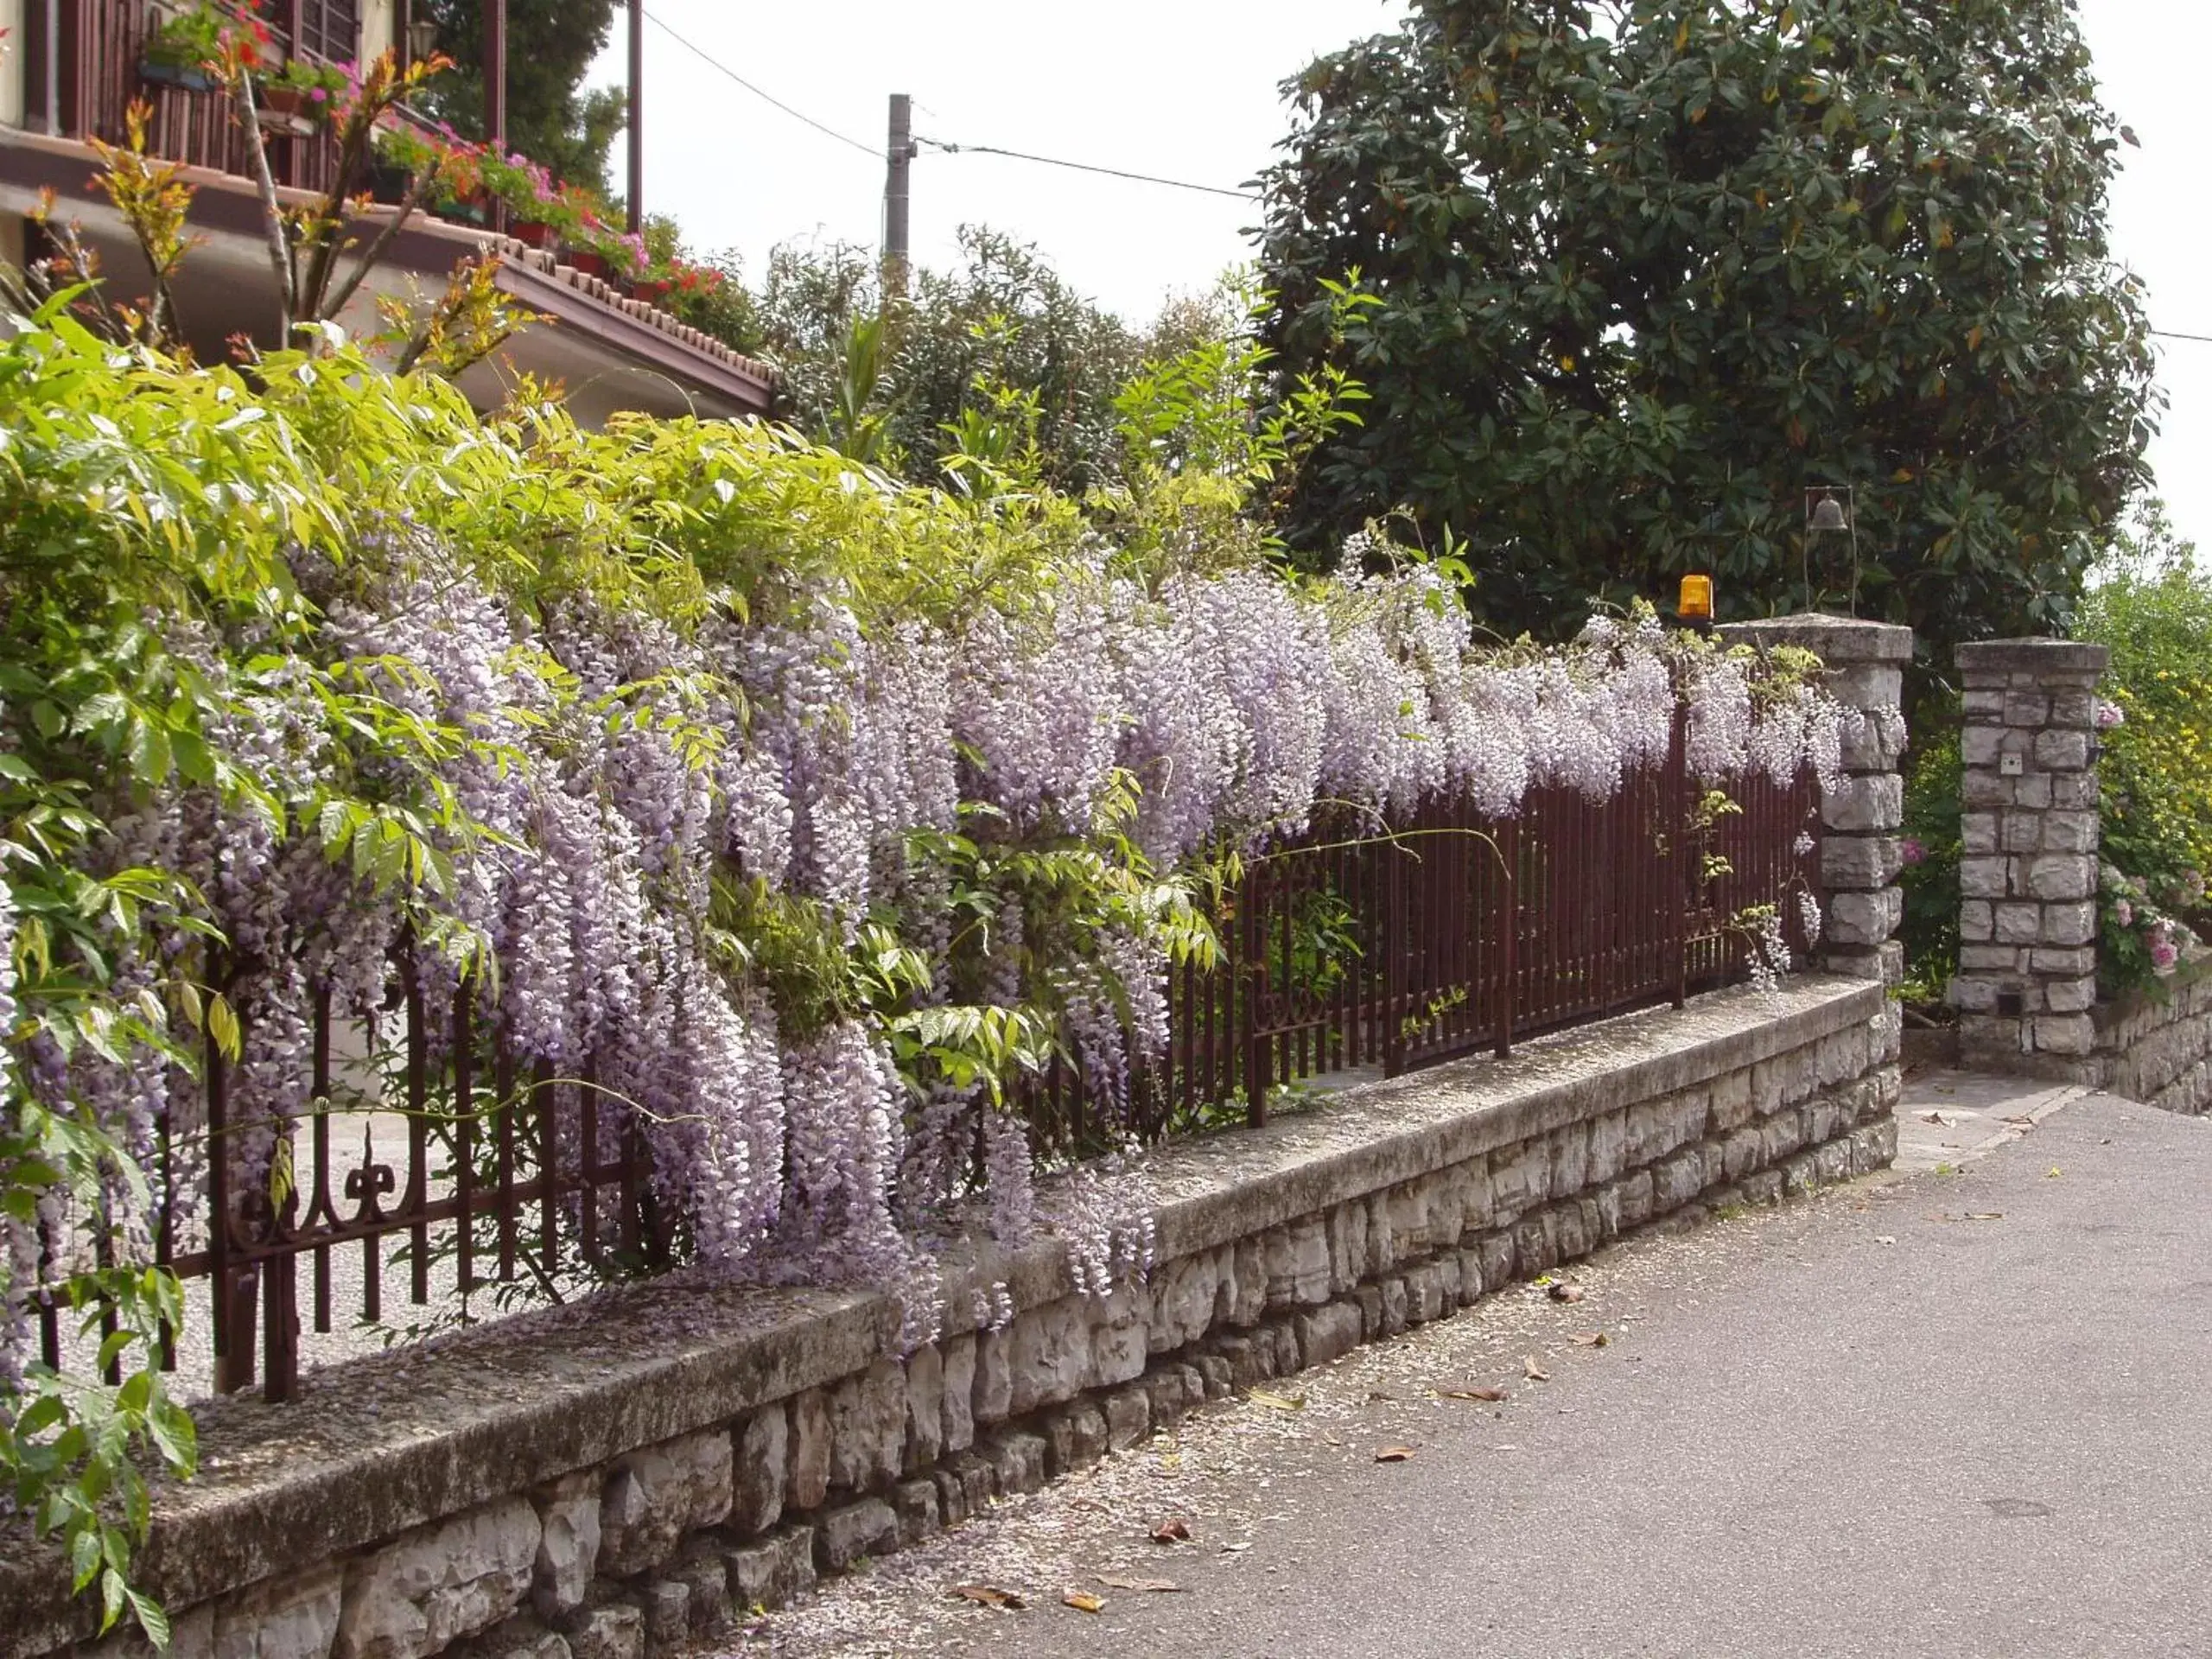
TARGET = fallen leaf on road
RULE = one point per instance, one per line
(1083, 1602)
(1985, 1215)
(1237, 1548)
(1174, 1530)
(1886, 1238)
(1394, 1454)
(1375, 1396)
(2025, 1122)
(2051, 1174)
(1536, 1373)
(1331, 1437)
(1277, 1401)
(1595, 1339)
(1489, 1397)
(988, 1595)
(1946, 1120)
(1564, 1292)
(1118, 1581)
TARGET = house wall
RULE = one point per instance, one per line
(13, 64)
(379, 28)
(627, 1475)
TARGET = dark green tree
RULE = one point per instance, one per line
(1648, 270)
(551, 45)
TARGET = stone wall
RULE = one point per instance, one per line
(2157, 1046)
(625, 1477)
(2027, 976)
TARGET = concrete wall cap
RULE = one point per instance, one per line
(1836, 639)
(2033, 657)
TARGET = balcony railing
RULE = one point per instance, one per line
(101, 47)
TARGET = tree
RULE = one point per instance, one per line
(551, 45)
(1648, 270)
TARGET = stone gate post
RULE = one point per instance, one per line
(1860, 902)
(2027, 971)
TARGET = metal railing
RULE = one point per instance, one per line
(442, 1168)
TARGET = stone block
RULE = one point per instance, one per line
(1248, 1281)
(959, 1395)
(808, 1482)
(1570, 1161)
(521, 1636)
(1978, 832)
(758, 1471)
(1019, 1459)
(1607, 1149)
(844, 1534)
(2070, 995)
(1478, 1211)
(2069, 925)
(1473, 1286)
(774, 1571)
(1983, 877)
(914, 1502)
(1172, 1394)
(1120, 1336)
(1048, 1358)
(1496, 1249)
(1977, 921)
(1519, 1178)
(1284, 1334)
(1297, 1264)
(438, 1583)
(1329, 1333)
(1215, 1369)
(2074, 791)
(1408, 1211)
(1087, 1434)
(1732, 1101)
(1869, 803)
(977, 1478)
(1863, 918)
(1369, 1300)
(1129, 1418)
(1535, 1243)
(1183, 1291)
(1800, 1176)
(296, 1617)
(1571, 1233)
(1780, 1136)
(191, 1635)
(2027, 708)
(1852, 863)
(1990, 958)
(1978, 788)
(2075, 707)
(2062, 876)
(992, 1398)
(1765, 1187)
(2071, 832)
(1347, 1231)
(614, 1631)
(2019, 923)
(2063, 751)
(1243, 1357)
(1634, 1199)
(924, 1399)
(1980, 746)
(666, 1603)
(706, 1577)
(1741, 1152)
(567, 1542)
(1832, 1162)
(1602, 1213)
(1394, 1304)
(1429, 1295)
(1675, 1181)
(2071, 1034)
(2071, 963)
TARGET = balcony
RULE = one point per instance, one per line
(78, 70)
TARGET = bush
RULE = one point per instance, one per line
(1931, 872)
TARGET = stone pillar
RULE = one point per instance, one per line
(2028, 874)
(1861, 904)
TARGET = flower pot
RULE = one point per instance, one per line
(472, 210)
(185, 76)
(288, 102)
(653, 290)
(388, 182)
(533, 233)
(592, 265)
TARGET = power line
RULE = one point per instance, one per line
(868, 150)
(2168, 333)
(1083, 166)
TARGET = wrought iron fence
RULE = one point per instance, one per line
(1365, 944)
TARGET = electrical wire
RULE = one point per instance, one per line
(1083, 166)
(2168, 333)
(700, 54)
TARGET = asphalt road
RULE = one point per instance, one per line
(1957, 1413)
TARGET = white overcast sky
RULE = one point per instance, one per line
(1188, 90)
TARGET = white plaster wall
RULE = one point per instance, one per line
(379, 26)
(11, 62)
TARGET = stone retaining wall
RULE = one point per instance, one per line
(624, 1478)
(2160, 1053)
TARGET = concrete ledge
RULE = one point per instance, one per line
(1838, 641)
(694, 1414)
(2031, 657)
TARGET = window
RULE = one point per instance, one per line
(330, 29)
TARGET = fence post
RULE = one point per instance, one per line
(2029, 831)
(1856, 885)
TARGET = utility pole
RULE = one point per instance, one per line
(636, 116)
(495, 89)
(899, 157)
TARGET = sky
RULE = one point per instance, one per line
(1189, 91)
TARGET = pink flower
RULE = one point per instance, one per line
(2124, 913)
(1911, 851)
(2109, 715)
(2163, 955)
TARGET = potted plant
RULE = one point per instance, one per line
(301, 94)
(540, 213)
(187, 50)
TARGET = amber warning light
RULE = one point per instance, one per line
(1695, 604)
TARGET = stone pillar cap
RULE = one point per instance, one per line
(2033, 657)
(1834, 640)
